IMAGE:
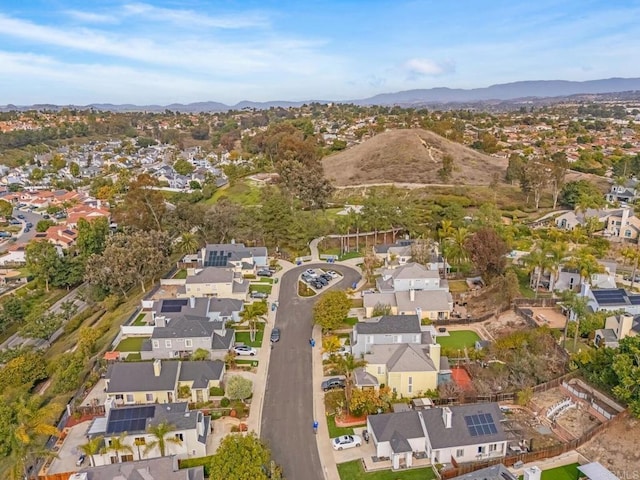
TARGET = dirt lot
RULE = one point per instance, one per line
(617, 448)
(576, 421)
(521, 424)
(508, 322)
(551, 317)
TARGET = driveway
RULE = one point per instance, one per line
(287, 413)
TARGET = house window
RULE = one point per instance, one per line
(127, 458)
(380, 370)
(140, 441)
(155, 343)
(627, 233)
(493, 447)
(113, 459)
(188, 342)
(149, 397)
(410, 382)
(167, 343)
(180, 437)
(481, 449)
(396, 339)
(460, 452)
(129, 398)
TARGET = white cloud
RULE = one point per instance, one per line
(90, 17)
(424, 67)
(192, 18)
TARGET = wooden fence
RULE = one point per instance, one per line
(534, 456)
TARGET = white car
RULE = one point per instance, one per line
(244, 350)
(311, 272)
(333, 274)
(346, 441)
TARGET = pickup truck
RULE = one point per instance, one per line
(5, 234)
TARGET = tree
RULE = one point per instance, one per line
(24, 370)
(93, 446)
(183, 167)
(537, 262)
(559, 167)
(251, 314)
(331, 344)
(242, 457)
(487, 251)
(347, 365)
(142, 207)
(6, 209)
(200, 354)
(74, 169)
(117, 445)
(42, 260)
(92, 236)
(509, 287)
(188, 243)
(536, 178)
(330, 311)
(370, 401)
(445, 172)
(43, 225)
(515, 170)
(42, 327)
(577, 307)
(30, 421)
(238, 388)
(572, 192)
(162, 439)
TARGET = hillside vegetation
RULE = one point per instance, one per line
(410, 156)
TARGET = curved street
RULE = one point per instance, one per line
(288, 412)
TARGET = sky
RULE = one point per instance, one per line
(182, 51)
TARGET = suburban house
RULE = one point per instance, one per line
(214, 282)
(569, 278)
(192, 428)
(14, 255)
(229, 255)
(182, 326)
(570, 220)
(411, 276)
(400, 253)
(611, 300)
(129, 383)
(626, 193)
(400, 354)
(456, 434)
(86, 212)
(615, 329)
(622, 223)
(163, 468)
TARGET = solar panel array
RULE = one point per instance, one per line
(217, 258)
(173, 306)
(481, 424)
(610, 297)
(129, 419)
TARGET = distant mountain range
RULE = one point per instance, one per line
(535, 89)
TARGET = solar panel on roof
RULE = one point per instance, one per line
(129, 419)
(481, 424)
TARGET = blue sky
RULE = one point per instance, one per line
(65, 51)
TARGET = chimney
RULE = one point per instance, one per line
(532, 473)
(446, 417)
(192, 301)
(157, 367)
(412, 295)
(108, 405)
(624, 326)
(434, 354)
(585, 288)
(159, 321)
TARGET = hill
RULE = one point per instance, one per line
(410, 156)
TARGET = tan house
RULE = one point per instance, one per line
(161, 381)
(216, 282)
(615, 329)
(622, 224)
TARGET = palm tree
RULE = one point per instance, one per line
(116, 444)
(537, 261)
(346, 366)
(160, 433)
(556, 253)
(577, 306)
(586, 264)
(188, 243)
(457, 249)
(31, 420)
(252, 313)
(92, 447)
(356, 220)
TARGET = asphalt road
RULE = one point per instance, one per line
(287, 414)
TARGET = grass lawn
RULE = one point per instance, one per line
(523, 281)
(241, 192)
(131, 344)
(351, 321)
(133, 357)
(254, 287)
(265, 280)
(304, 290)
(337, 431)
(138, 322)
(568, 472)
(458, 286)
(459, 339)
(181, 274)
(253, 363)
(353, 471)
(357, 302)
(349, 255)
(244, 337)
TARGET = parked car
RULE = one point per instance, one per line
(323, 281)
(21, 216)
(327, 277)
(4, 234)
(311, 272)
(275, 335)
(333, 274)
(29, 224)
(255, 294)
(306, 277)
(316, 284)
(80, 460)
(332, 384)
(346, 441)
(244, 350)
(264, 273)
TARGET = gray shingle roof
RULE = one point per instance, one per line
(399, 444)
(223, 342)
(185, 328)
(389, 324)
(458, 434)
(211, 275)
(403, 357)
(495, 472)
(163, 468)
(140, 377)
(384, 426)
(199, 371)
(225, 306)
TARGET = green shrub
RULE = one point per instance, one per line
(225, 402)
(216, 391)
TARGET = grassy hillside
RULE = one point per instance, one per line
(410, 156)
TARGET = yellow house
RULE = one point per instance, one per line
(160, 381)
(407, 369)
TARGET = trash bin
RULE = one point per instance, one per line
(365, 435)
(273, 307)
(275, 280)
